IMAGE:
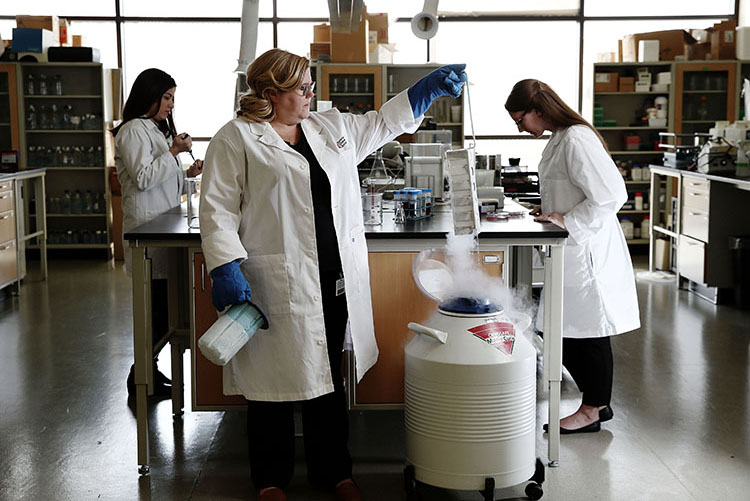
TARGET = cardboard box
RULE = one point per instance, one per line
(322, 33)
(643, 86)
(648, 51)
(378, 22)
(382, 53)
(605, 82)
(661, 254)
(723, 40)
(79, 41)
(351, 47)
(320, 52)
(671, 44)
(32, 40)
(698, 51)
(50, 23)
(627, 84)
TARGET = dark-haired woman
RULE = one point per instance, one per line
(582, 191)
(152, 178)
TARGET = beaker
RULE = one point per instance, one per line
(192, 202)
(372, 208)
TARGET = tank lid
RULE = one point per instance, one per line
(470, 305)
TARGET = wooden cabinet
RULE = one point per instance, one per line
(396, 301)
(706, 93)
(9, 130)
(8, 243)
(62, 123)
(206, 376)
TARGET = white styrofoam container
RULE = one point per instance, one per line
(648, 50)
(743, 42)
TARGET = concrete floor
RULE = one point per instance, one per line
(681, 429)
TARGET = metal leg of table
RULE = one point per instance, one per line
(553, 301)
(142, 350)
(175, 286)
(41, 221)
(178, 387)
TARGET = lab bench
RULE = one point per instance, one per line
(396, 301)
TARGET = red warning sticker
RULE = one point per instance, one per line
(501, 335)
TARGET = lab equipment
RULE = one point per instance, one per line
(221, 342)
(372, 208)
(464, 192)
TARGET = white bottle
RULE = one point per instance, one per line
(636, 173)
(639, 201)
(627, 228)
(231, 332)
(645, 227)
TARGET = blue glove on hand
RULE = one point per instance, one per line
(229, 285)
(444, 81)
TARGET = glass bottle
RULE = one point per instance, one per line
(31, 118)
(99, 156)
(58, 85)
(77, 207)
(67, 201)
(30, 84)
(54, 118)
(65, 118)
(42, 85)
(44, 122)
(702, 112)
(88, 202)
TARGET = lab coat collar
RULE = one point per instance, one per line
(266, 134)
(556, 137)
(313, 132)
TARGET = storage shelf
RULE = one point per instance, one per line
(64, 131)
(631, 211)
(632, 93)
(90, 214)
(72, 246)
(64, 96)
(353, 94)
(449, 124)
(647, 181)
(637, 241)
(665, 231)
(701, 121)
(67, 167)
(704, 91)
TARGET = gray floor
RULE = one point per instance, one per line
(681, 429)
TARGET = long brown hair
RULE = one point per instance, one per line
(274, 69)
(530, 94)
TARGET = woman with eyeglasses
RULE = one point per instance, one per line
(582, 191)
(149, 170)
(281, 212)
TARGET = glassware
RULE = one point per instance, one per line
(30, 84)
(54, 118)
(58, 85)
(44, 118)
(378, 167)
(31, 118)
(372, 208)
(42, 85)
(77, 205)
(67, 202)
(702, 112)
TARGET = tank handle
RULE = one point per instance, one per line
(440, 336)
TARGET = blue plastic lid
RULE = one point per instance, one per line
(470, 305)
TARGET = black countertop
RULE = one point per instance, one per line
(172, 225)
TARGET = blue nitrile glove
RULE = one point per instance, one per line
(229, 285)
(444, 81)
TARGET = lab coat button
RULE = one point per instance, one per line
(316, 298)
(320, 342)
(303, 167)
(307, 210)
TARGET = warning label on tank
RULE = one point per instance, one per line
(501, 335)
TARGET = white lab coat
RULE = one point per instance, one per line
(256, 205)
(152, 181)
(579, 180)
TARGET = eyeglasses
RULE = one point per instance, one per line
(307, 88)
(518, 122)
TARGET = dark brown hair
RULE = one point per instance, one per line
(528, 95)
(274, 69)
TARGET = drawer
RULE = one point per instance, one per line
(8, 270)
(694, 183)
(691, 259)
(6, 185)
(7, 226)
(6, 201)
(696, 197)
(695, 223)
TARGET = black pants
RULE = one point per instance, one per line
(325, 422)
(589, 361)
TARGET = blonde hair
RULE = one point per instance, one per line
(528, 95)
(275, 69)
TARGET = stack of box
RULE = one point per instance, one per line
(643, 80)
(598, 115)
(627, 84)
(320, 49)
(723, 43)
(605, 82)
(35, 34)
(663, 80)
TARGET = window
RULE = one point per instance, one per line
(660, 8)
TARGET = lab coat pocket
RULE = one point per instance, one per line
(269, 280)
(356, 255)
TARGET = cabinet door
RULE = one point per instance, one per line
(9, 137)
(207, 379)
(353, 88)
(396, 301)
(704, 94)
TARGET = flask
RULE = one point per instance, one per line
(42, 85)
(231, 332)
(30, 84)
(639, 201)
(378, 167)
(58, 85)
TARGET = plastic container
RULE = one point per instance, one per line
(231, 332)
(646, 227)
(636, 174)
(627, 228)
(638, 201)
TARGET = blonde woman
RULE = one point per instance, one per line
(582, 191)
(280, 211)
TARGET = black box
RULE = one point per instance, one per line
(73, 54)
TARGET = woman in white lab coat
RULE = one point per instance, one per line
(152, 179)
(582, 191)
(281, 212)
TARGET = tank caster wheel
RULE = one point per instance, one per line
(144, 469)
(538, 476)
(534, 491)
(489, 489)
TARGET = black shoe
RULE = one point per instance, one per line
(162, 386)
(589, 428)
(606, 414)
(131, 381)
(160, 378)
